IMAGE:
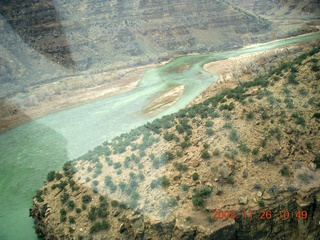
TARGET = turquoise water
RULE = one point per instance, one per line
(30, 150)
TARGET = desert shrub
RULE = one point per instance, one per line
(197, 201)
(205, 154)
(169, 155)
(216, 152)
(108, 181)
(309, 145)
(230, 180)
(51, 176)
(289, 103)
(78, 210)
(315, 67)
(99, 226)
(185, 144)
(245, 174)
(132, 175)
(117, 165)
(195, 176)
(286, 91)
(179, 153)
(257, 186)
(184, 187)
(250, 115)
(86, 198)
(209, 124)
(285, 171)
(234, 136)
(293, 79)
(63, 215)
(261, 203)
(38, 195)
(209, 132)
(255, 151)
(71, 219)
(135, 195)
(71, 205)
(227, 125)
(164, 181)
(243, 148)
(64, 197)
(317, 160)
(172, 202)
(154, 184)
(58, 176)
(180, 166)
(316, 115)
(95, 183)
(141, 177)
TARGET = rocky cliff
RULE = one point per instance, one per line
(241, 164)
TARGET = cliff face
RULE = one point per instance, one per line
(125, 223)
(86, 36)
(241, 164)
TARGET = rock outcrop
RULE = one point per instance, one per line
(252, 225)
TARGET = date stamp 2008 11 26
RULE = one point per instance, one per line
(261, 214)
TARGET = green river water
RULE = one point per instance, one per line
(30, 150)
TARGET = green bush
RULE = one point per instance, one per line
(209, 132)
(317, 160)
(285, 171)
(117, 165)
(180, 166)
(261, 203)
(197, 201)
(71, 205)
(216, 152)
(234, 136)
(205, 154)
(86, 198)
(195, 176)
(250, 115)
(184, 187)
(51, 176)
(71, 219)
(292, 79)
(99, 226)
(316, 115)
(243, 148)
(209, 124)
(164, 181)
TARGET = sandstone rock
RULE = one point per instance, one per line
(243, 200)
(259, 194)
(312, 166)
(176, 176)
(195, 163)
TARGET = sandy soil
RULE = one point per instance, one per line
(11, 115)
(164, 101)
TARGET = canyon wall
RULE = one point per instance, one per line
(44, 40)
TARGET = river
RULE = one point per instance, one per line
(30, 150)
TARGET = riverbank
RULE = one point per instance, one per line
(49, 98)
(77, 90)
